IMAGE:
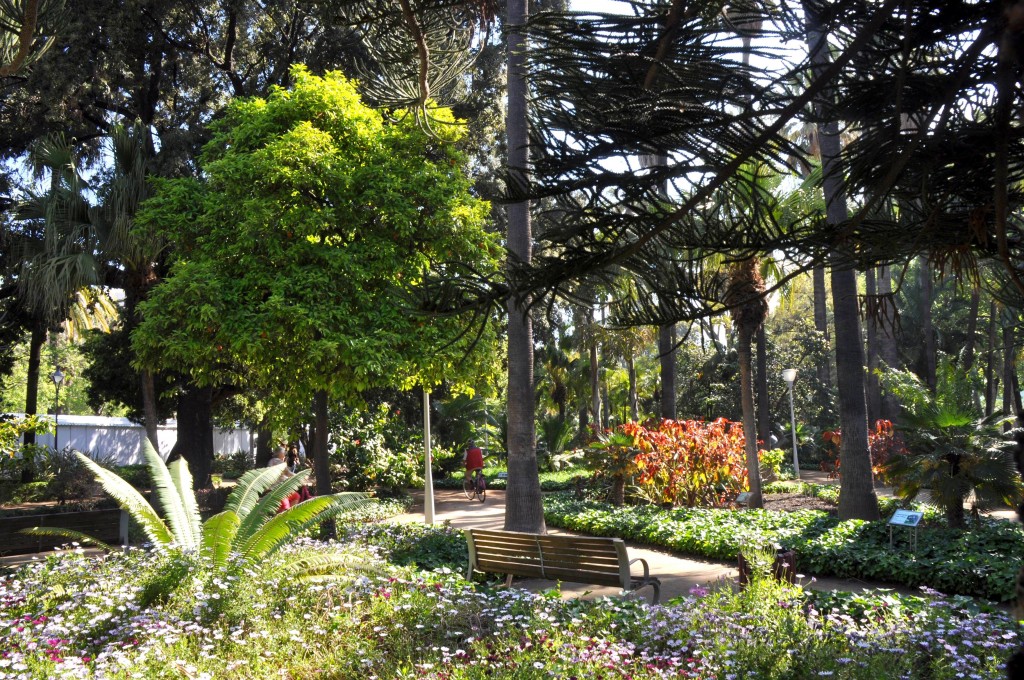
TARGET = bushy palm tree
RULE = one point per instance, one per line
(249, 528)
(954, 453)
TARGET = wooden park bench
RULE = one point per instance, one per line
(576, 559)
(109, 526)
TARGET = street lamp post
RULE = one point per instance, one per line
(789, 375)
(58, 379)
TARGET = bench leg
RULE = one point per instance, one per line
(508, 581)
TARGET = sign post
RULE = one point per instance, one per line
(906, 518)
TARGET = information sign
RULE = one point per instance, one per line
(906, 518)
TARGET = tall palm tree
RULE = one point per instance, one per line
(524, 509)
(745, 297)
(857, 499)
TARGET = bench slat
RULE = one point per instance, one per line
(601, 561)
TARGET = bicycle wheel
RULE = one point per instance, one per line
(481, 489)
(468, 487)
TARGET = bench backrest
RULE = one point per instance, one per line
(578, 559)
(109, 526)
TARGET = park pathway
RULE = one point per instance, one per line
(678, 574)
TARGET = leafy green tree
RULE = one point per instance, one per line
(313, 216)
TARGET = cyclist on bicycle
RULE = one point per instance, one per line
(474, 460)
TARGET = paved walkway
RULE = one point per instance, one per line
(678, 574)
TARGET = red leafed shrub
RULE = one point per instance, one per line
(883, 443)
(689, 462)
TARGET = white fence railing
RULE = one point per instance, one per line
(121, 439)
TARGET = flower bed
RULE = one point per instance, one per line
(979, 562)
(87, 617)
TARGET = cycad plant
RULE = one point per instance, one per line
(952, 452)
(248, 530)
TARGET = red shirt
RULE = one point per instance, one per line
(474, 458)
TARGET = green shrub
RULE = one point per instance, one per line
(233, 465)
(136, 475)
(950, 560)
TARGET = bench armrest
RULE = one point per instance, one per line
(647, 570)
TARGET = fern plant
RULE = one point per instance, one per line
(246, 532)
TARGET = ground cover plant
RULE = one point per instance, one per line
(81, 616)
(976, 562)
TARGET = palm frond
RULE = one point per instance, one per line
(182, 479)
(347, 501)
(69, 534)
(248, 489)
(170, 499)
(265, 507)
(219, 534)
(272, 535)
(131, 501)
(323, 566)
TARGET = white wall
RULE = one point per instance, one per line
(122, 439)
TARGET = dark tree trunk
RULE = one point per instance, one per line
(264, 445)
(857, 499)
(595, 381)
(874, 390)
(927, 329)
(821, 324)
(35, 354)
(1009, 371)
(972, 329)
(764, 416)
(524, 509)
(991, 381)
(618, 490)
(321, 456)
(634, 406)
(195, 433)
(887, 349)
(666, 345)
(749, 427)
(149, 406)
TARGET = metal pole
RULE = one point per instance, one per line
(792, 421)
(428, 478)
(56, 420)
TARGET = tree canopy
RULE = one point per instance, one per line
(314, 216)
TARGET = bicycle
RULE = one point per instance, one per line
(475, 486)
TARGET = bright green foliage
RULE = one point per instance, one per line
(249, 527)
(315, 218)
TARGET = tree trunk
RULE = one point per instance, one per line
(667, 352)
(149, 406)
(749, 426)
(634, 406)
(874, 390)
(764, 416)
(35, 354)
(930, 355)
(821, 324)
(264, 445)
(991, 381)
(195, 433)
(595, 382)
(321, 456)
(857, 499)
(618, 490)
(887, 349)
(1009, 371)
(524, 508)
(972, 329)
